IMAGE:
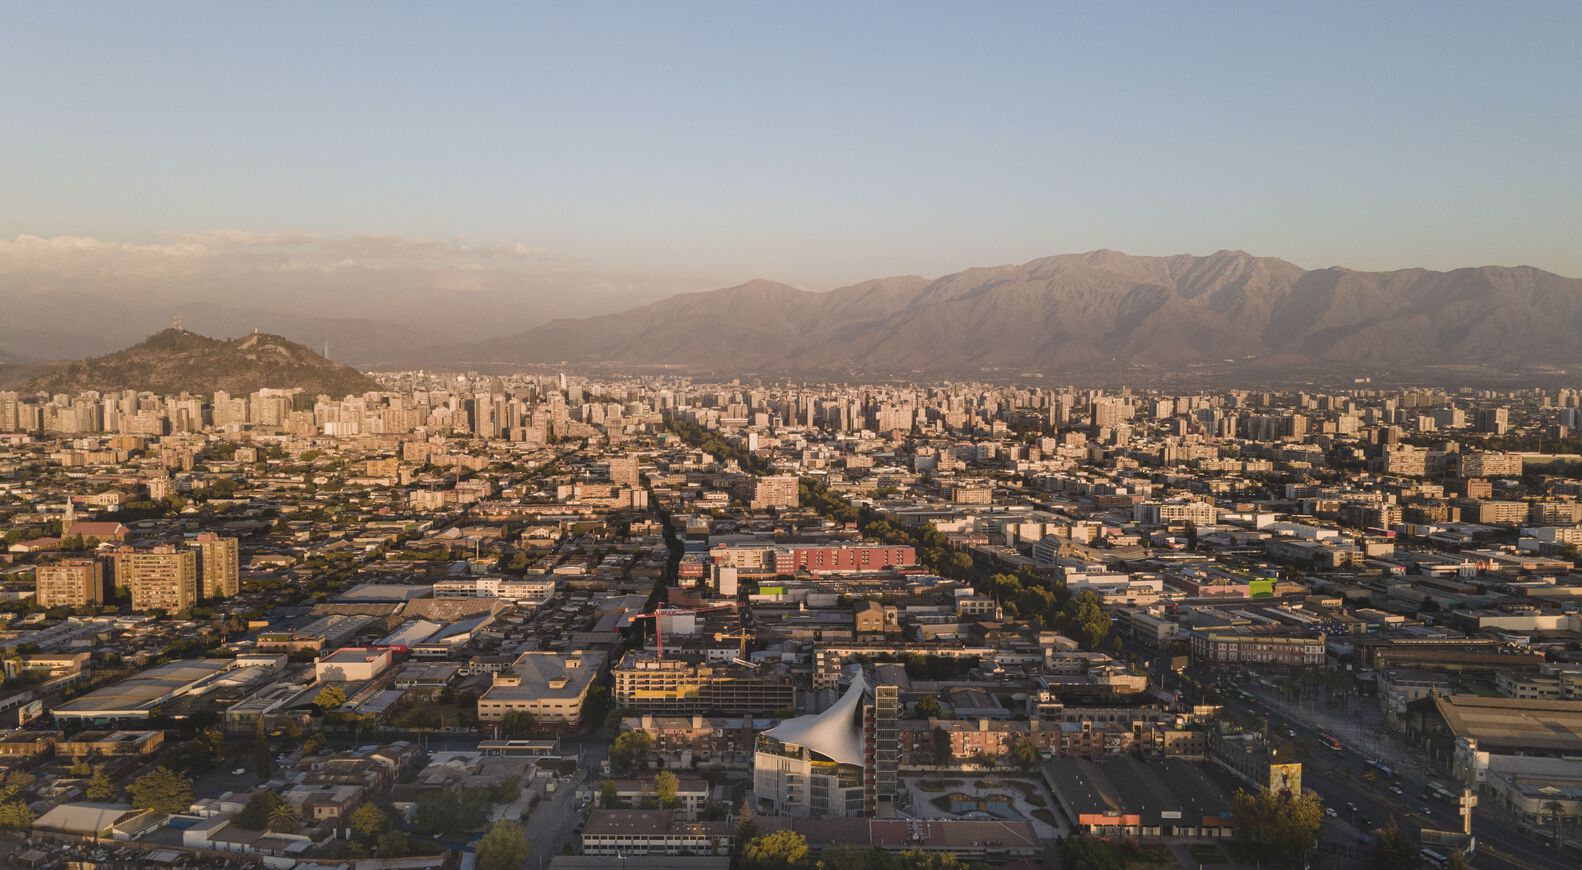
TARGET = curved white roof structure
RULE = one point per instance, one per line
(835, 733)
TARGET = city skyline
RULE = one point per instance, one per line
(884, 436)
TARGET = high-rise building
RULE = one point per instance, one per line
(219, 565)
(1496, 421)
(623, 471)
(774, 491)
(881, 738)
(164, 578)
(72, 583)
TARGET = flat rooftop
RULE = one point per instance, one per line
(549, 675)
(138, 694)
(1514, 723)
(1124, 785)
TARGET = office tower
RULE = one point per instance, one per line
(1496, 421)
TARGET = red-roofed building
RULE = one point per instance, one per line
(99, 531)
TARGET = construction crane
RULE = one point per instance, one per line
(658, 613)
(741, 635)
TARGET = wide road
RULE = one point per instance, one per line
(1339, 778)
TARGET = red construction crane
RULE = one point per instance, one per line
(662, 611)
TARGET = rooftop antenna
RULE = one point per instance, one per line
(175, 323)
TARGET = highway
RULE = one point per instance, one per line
(1338, 777)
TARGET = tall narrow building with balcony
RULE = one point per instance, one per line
(219, 565)
(881, 750)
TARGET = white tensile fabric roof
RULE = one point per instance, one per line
(835, 733)
(89, 818)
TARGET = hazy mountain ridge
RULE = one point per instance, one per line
(176, 361)
(1086, 309)
(368, 318)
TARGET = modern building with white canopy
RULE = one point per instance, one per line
(832, 763)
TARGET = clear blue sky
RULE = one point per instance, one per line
(812, 143)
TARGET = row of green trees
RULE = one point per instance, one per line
(711, 443)
(1048, 603)
(1044, 601)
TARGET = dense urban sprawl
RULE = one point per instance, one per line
(575, 620)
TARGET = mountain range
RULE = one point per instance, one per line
(1082, 313)
(177, 361)
(1089, 310)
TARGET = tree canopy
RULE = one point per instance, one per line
(368, 822)
(101, 787)
(504, 847)
(451, 812)
(162, 790)
(1089, 853)
(330, 697)
(774, 851)
(16, 814)
(1277, 827)
(1392, 849)
(1024, 753)
(255, 815)
(284, 819)
(630, 750)
(665, 787)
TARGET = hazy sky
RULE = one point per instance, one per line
(812, 143)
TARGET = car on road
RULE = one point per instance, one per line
(1330, 811)
(238, 771)
(1397, 789)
